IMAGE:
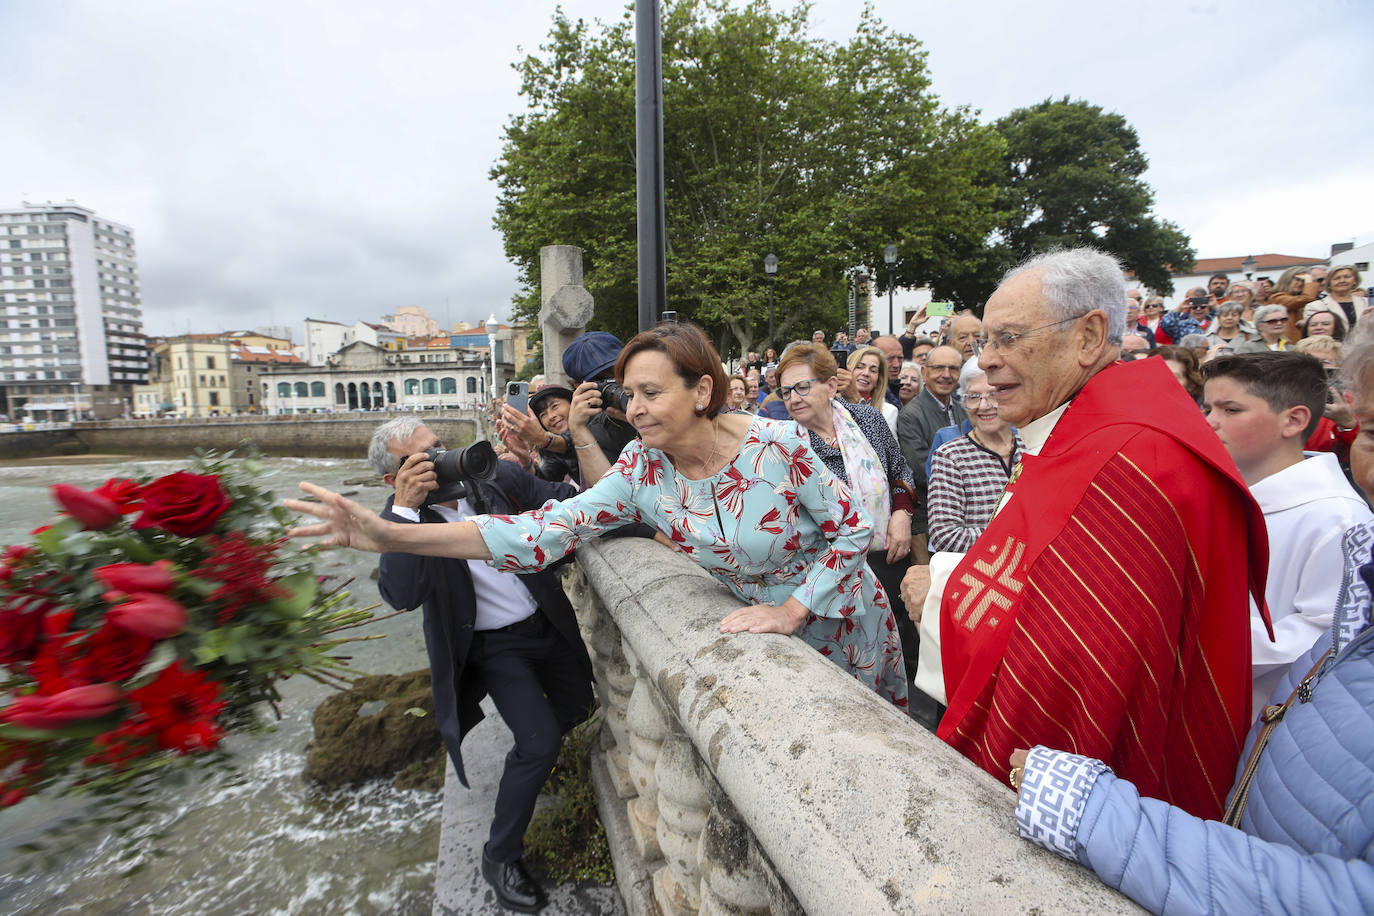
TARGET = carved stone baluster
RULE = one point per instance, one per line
(733, 879)
(619, 685)
(648, 728)
(684, 799)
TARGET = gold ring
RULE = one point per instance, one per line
(1011, 778)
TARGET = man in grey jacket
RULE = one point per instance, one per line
(935, 407)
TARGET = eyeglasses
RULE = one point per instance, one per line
(1007, 340)
(937, 369)
(801, 388)
(1274, 321)
(989, 399)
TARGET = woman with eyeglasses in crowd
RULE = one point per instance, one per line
(1272, 323)
(854, 441)
(969, 472)
(745, 498)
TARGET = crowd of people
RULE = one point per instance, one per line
(1112, 552)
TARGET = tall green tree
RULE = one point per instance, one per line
(1072, 176)
(820, 152)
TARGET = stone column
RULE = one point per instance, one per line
(565, 306)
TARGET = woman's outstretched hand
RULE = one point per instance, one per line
(766, 618)
(343, 523)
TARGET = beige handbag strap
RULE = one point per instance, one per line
(1271, 717)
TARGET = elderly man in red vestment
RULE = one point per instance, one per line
(1104, 609)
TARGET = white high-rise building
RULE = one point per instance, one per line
(71, 338)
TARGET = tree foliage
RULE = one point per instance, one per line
(820, 152)
(1072, 176)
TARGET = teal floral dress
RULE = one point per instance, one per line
(773, 524)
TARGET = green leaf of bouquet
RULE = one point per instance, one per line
(302, 589)
(163, 654)
(136, 550)
(85, 729)
(52, 540)
(198, 586)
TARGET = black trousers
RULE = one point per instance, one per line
(920, 707)
(540, 690)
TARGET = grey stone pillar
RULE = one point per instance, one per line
(565, 306)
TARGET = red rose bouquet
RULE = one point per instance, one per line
(150, 619)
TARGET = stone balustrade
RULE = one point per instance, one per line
(746, 774)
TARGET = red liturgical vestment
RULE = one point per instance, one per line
(1104, 610)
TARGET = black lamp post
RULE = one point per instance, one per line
(890, 258)
(1249, 265)
(770, 267)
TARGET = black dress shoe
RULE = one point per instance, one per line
(515, 888)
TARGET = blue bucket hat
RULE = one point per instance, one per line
(590, 355)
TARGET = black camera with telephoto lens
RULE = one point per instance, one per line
(612, 394)
(455, 467)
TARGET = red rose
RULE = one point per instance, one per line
(110, 654)
(180, 706)
(94, 512)
(137, 577)
(77, 704)
(15, 553)
(21, 627)
(148, 615)
(121, 491)
(184, 504)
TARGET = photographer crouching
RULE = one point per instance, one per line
(595, 429)
(511, 637)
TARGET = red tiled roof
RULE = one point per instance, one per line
(244, 355)
(1263, 262)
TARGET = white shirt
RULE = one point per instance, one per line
(1308, 508)
(502, 599)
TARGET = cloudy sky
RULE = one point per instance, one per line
(291, 159)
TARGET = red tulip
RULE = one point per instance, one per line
(150, 616)
(52, 712)
(94, 512)
(137, 577)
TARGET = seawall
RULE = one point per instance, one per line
(331, 436)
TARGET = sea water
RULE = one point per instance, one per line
(259, 840)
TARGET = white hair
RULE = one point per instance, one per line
(379, 449)
(1076, 281)
(969, 374)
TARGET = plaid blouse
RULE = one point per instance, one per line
(966, 481)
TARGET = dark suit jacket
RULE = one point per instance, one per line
(444, 587)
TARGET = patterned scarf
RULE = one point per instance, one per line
(1353, 601)
(867, 479)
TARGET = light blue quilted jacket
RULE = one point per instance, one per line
(1307, 844)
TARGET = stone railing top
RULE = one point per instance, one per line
(859, 809)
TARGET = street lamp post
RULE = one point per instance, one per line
(1249, 265)
(860, 277)
(770, 267)
(491, 342)
(890, 258)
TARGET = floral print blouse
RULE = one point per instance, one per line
(773, 524)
